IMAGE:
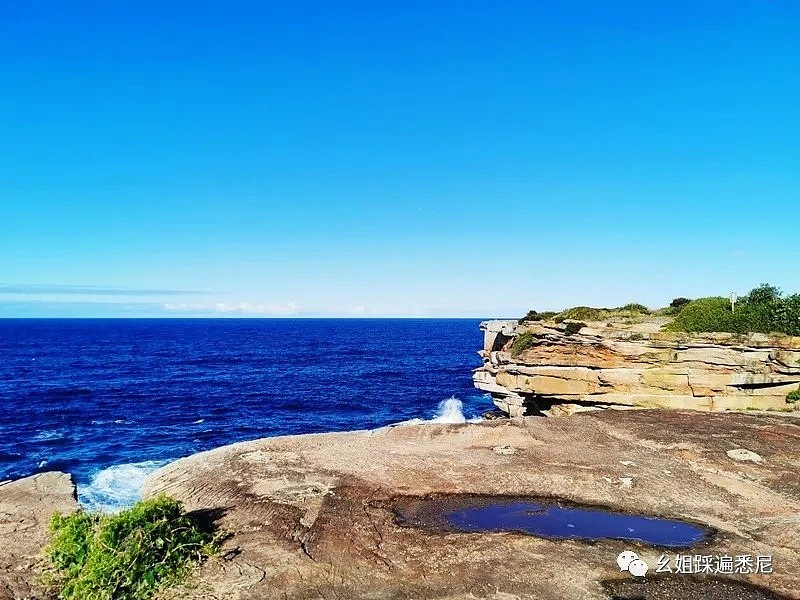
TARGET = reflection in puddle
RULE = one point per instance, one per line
(543, 518)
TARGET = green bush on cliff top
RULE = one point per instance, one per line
(533, 315)
(588, 313)
(128, 556)
(763, 310)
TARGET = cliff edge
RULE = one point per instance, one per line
(559, 368)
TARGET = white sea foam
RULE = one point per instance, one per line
(117, 487)
(450, 410)
(46, 435)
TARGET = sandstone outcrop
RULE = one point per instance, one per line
(312, 516)
(26, 506)
(616, 365)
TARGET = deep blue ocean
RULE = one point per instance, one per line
(111, 400)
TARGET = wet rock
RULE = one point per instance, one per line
(493, 414)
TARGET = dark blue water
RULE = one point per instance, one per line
(110, 400)
(565, 522)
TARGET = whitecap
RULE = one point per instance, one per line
(450, 410)
(46, 435)
(115, 488)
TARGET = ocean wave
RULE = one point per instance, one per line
(47, 435)
(115, 488)
(450, 410)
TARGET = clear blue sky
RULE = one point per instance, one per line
(394, 158)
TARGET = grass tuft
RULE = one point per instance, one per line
(127, 556)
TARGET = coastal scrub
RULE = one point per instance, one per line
(127, 556)
(522, 342)
(763, 310)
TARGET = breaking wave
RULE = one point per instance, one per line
(115, 488)
(450, 410)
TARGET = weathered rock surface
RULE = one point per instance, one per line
(311, 516)
(615, 365)
(26, 506)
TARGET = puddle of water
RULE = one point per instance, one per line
(545, 519)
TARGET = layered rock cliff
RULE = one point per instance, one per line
(624, 365)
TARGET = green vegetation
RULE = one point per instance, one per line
(793, 397)
(522, 342)
(573, 327)
(675, 306)
(634, 307)
(537, 316)
(679, 303)
(587, 313)
(763, 310)
(128, 556)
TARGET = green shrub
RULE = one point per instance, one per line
(763, 294)
(537, 316)
(787, 315)
(127, 556)
(573, 327)
(579, 313)
(588, 313)
(679, 302)
(522, 342)
(703, 314)
(635, 307)
(763, 310)
(793, 397)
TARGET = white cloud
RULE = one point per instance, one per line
(234, 308)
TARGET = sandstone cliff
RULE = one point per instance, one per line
(618, 365)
